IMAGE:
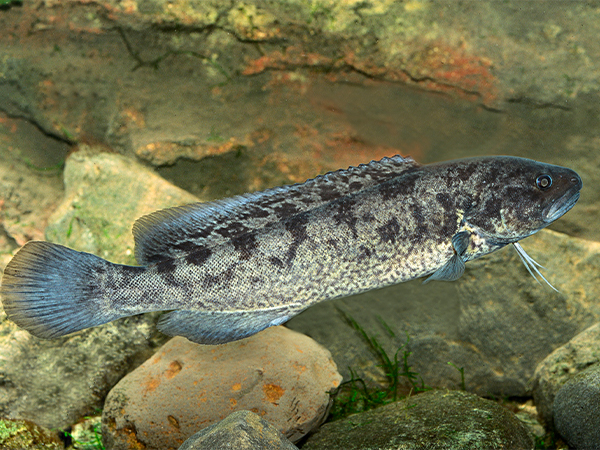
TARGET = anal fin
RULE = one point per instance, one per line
(220, 327)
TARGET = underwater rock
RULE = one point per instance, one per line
(104, 194)
(432, 420)
(24, 435)
(31, 184)
(560, 366)
(496, 322)
(279, 374)
(55, 383)
(577, 409)
(242, 430)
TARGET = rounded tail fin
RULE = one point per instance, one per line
(51, 290)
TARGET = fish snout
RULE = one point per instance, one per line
(569, 184)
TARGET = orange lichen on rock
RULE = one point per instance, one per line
(10, 124)
(293, 56)
(273, 393)
(174, 369)
(132, 117)
(454, 69)
(151, 385)
(434, 66)
(161, 152)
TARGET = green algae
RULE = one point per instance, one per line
(354, 395)
(25, 435)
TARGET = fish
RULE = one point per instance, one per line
(225, 270)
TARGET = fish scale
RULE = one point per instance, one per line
(228, 269)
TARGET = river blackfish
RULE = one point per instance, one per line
(231, 268)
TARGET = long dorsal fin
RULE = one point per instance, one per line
(174, 232)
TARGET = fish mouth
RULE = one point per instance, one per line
(560, 206)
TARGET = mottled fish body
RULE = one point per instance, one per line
(231, 268)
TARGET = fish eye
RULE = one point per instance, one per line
(544, 182)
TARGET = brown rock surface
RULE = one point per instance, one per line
(279, 374)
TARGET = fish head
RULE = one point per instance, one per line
(518, 197)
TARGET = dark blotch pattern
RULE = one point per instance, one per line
(369, 218)
(365, 252)
(355, 186)
(246, 245)
(445, 201)
(297, 227)
(333, 236)
(421, 228)
(390, 231)
(198, 257)
(448, 230)
(260, 212)
(464, 171)
(276, 262)
(210, 281)
(286, 209)
(232, 230)
(397, 188)
(212, 224)
(327, 193)
(343, 214)
(492, 207)
(166, 269)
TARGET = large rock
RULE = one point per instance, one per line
(433, 420)
(104, 194)
(495, 322)
(55, 383)
(560, 366)
(242, 430)
(279, 374)
(577, 409)
(30, 180)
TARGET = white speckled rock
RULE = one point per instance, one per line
(279, 374)
(241, 430)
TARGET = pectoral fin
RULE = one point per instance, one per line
(460, 242)
(455, 267)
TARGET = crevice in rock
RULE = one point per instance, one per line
(46, 132)
(528, 101)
